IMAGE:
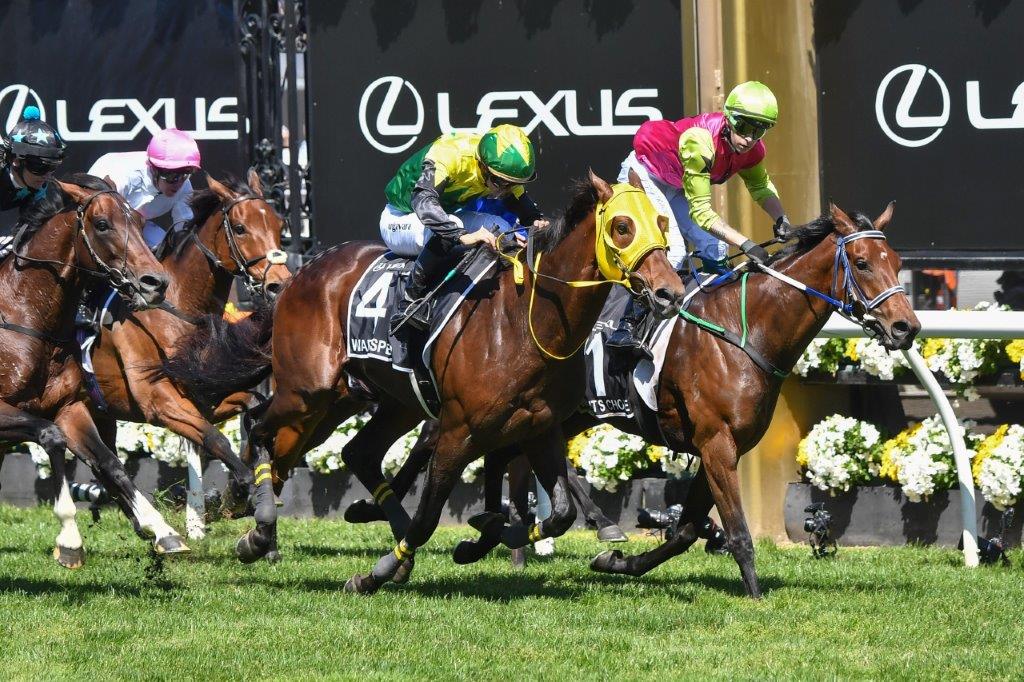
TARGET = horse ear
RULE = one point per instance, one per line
(77, 194)
(110, 183)
(219, 189)
(663, 223)
(883, 220)
(604, 190)
(254, 182)
(840, 220)
(634, 179)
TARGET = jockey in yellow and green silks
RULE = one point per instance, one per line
(424, 215)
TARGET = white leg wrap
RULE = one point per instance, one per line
(64, 509)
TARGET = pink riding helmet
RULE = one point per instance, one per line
(172, 148)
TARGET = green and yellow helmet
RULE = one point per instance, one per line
(754, 102)
(507, 153)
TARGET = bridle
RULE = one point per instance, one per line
(255, 286)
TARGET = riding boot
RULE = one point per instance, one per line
(420, 279)
(624, 338)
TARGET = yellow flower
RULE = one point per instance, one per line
(933, 347)
(656, 453)
(899, 443)
(576, 446)
(801, 454)
(985, 449)
(1015, 350)
(851, 350)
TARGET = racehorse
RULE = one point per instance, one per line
(507, 365)
(715, 400)
(81, 231)
(235, 233)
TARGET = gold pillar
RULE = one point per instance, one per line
(771, 41)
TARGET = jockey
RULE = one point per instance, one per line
(155, 182)
(678, 161)
(29, 155)
(422, 217)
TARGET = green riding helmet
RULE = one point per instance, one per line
(507, 153)
(754, 102)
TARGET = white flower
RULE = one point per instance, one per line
(1002, 473)
(837, 453)
(610, 456)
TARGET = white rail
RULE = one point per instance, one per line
(981, 324)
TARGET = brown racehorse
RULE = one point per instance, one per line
(81, 231)
(235, 234)
(714, 401)
(496, 386)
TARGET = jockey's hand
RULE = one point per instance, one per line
(482, 235)
(754, 251)
(783, 230)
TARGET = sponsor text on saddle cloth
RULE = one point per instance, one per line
(625, 389)
(375, 298)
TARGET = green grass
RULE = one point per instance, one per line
(901, 613)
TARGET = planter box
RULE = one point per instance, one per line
(882, 515)
(311, 494)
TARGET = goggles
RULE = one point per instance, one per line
(40, 166)
(173, 177)
(750, 128)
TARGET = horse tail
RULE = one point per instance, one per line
(220, 357)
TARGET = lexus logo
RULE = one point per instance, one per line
(903, 119)
(19, 96)
(382, 126)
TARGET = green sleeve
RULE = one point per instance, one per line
(758, 183)
(697, 154)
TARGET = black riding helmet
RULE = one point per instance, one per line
(35, 141)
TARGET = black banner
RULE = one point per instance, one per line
(387, 78)
(923, 102)
(108, 75)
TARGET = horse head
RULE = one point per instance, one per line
(247, 242)
(866, 274)
(631, 244)
(109, 245)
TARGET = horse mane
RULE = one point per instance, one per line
(54, 201)
(584, 200)
(205, 201)
(810, 235)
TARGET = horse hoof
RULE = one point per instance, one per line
(361, 584)
(248, 550)
(404, 571)
(605, 562)
(69, 557)
(171, 544)
(467, 552)
(364, 511)
(519, 558)
(483, 520)
(611, 533)
(273, 556)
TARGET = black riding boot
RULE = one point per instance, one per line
(624, 338)
(420, 280)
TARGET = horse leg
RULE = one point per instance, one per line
(17, 425)
(491, 522)
(84, 440)
(607, 530)
(180, 415)
(365, 453)
(276, 442)
(720, 459)
(547, 457)
(519, 474)
(454, 452)
(695, 511)
(367, 511)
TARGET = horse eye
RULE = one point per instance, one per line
(238, 228)
(862, 264)
(622, 228)
(101, 225)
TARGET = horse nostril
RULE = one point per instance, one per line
(274, 288)
(665, 295)
(900, 328)
(153, 283)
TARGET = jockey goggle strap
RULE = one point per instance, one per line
(616, 263)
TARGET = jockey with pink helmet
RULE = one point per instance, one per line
(155, 182)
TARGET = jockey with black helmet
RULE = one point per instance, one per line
(32, 151)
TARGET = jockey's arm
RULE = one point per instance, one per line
(426, 204)
(762, 190)
(181, 212)
(523, 207)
